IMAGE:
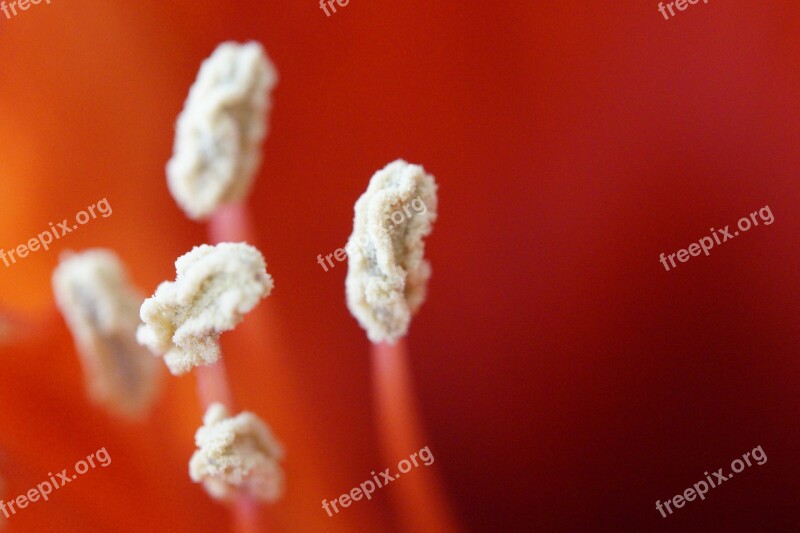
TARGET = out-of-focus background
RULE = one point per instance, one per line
(566, 380)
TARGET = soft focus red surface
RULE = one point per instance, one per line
(566, 380)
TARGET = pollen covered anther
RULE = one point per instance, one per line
(387, 272)
(221, 128)
(214, 288)
(237, 455)
(101, 307)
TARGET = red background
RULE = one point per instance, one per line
(566, 380)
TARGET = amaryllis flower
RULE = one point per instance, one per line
(561, 378)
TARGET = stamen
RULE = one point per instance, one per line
(100, 307)
(387, 273)
(221, 128)
(237, 455)
(386, 284)
(214, 288)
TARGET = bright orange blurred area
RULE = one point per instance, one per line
(564, 380)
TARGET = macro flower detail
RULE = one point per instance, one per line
(100, 307)
(237, 454)
(387, 272)
(214, 288)
(221, 128)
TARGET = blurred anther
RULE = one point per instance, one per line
(221, 128)
(100, 307)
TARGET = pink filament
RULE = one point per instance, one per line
(230, 223)
(420, 497)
